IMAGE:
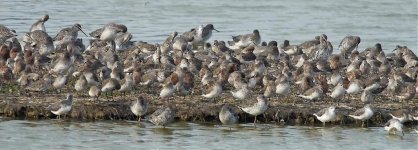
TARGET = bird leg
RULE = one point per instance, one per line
(255, 121)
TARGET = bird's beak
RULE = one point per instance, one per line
(216, 30)
(83, 32)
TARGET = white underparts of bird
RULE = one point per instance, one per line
(227, 115)
(326, 114)
(393, 126)
(363, 114)
(62, 107)
(257, 108)
(338, 91)
(354, 88)
(167, 90)
(139, 107)
(214, 91)
(241, 93)
(312, 93)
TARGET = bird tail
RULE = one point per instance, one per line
(303, 96)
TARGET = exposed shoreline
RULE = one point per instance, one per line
(193, 109)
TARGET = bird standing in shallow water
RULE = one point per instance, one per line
(326, 115)
(363, 114)
(257, 108)
(393, 126)
(139, 107)
(62, 107)
(227, 115)
(163, 116)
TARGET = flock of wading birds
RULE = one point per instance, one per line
(245, 64)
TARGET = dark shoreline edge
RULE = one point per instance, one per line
(195, 109)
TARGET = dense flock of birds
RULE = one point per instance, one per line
(186, 63)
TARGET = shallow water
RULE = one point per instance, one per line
(386, 21)
(56, 134)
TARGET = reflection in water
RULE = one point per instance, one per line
(183, 135)
(162, 131)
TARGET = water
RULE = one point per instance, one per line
(386, 21)
(55, 134)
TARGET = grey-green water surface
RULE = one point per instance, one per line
(56, 134)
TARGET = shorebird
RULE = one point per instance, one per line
(39, 25)
(127, 84)
(354, 87)
(123, 41)
(402, 115)
(334, 79)
(227, 115)
(257, 108)
(308, 46)
(167, 90)
(348, 44)
(91, 77)
(40, 40)
(109, 31)
(324, 51)
(60, 81)
(326, 114)
(242, 41)
(94, 92)
(63, 64)
(41, 85)
(407, 95)
(366, 96)
(338, 92)
(282, 86)
(62, 107)
(6, 33)
(163, 116)
(285, 47)
(393, 126)
(214, 89)
(363, 114)
(270, 89)
(203, 33)
(242, 93)
(109, 85)
(139, 107)
(67, 35)
(81, 84)
(312, 93)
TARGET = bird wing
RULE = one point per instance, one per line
(308, 44)
(61, 34)
(237, 38)
(55, 106)
(322, 111)
(348, 43)
(96, 33)
(359, 112)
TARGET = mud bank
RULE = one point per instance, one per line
(194, 108)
